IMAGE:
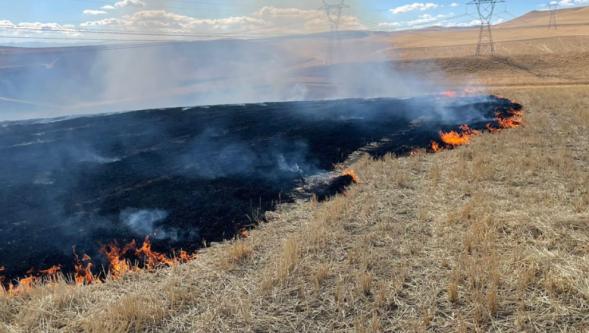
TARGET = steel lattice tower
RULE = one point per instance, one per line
(334, 16)
(553, 11)
(485, 9)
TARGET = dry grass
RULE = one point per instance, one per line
(489, 237)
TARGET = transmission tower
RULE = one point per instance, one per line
(486, 9)
(334, 16)
(553, 5)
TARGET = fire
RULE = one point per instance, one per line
(83, 270)
(491, 129)
(455, 138)
(118, 264)
(508, 123)
(184, 257)
(352, 174)
(151, 258)
(463, 136)
(130, 258)
(514, 120)
(23, 285)
(449, 93)
(51, 272)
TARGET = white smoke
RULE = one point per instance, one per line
(143, 222)
(149, 222)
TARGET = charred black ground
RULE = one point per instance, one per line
(184, 176)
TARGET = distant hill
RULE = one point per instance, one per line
(568, 16)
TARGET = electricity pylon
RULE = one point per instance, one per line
(553, 5)
(334, 16)
(486, 9)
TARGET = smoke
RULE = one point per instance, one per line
(151, 223)
(187, 176)
(97, 79)
(142, 222)
(216, 153)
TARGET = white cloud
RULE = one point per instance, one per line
(31, 30)
(571, 3)
(266, 21)
(422, 6)
(129, 3)
(94, 12)
(427, 20)
(107, 7)
(389, 25)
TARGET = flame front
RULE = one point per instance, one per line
(514, 120)
(352, 174)
(151, 258)
(51, 272)
(454, 138)
(83, 270)
(116, 256)
(119, 258)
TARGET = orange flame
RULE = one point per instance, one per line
(83, 270)
(118, 257)
(184, 257)
(51, 272)
(23, 285)
(118, 264)
(509, 123)
(514, 120)
(153, 259)
(454, 138)
(449, 93)
(351, 173)
(491, 129)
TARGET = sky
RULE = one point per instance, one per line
(107, 21)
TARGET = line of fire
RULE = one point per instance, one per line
(99, 197)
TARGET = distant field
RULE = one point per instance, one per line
(91, 79)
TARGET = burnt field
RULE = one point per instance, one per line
(193, 175)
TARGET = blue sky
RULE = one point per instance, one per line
(29, 19)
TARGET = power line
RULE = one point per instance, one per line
(485, 9)
(144, 33)
(333, 13)
(553, 5)
(136, 35)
